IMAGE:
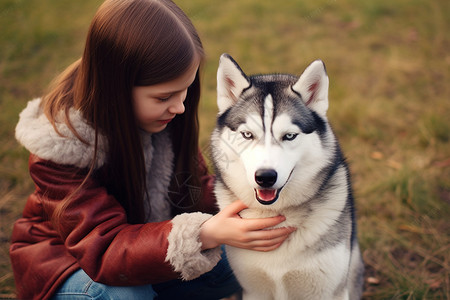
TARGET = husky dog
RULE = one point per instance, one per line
(273, 148)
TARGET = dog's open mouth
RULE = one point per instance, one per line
(267, 196)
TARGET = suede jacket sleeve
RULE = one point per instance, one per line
(95, 232)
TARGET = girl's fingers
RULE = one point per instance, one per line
(266, 245)
(265, 240)
(250, 234)
(272, 234)
(234, 208)
(268, 248)
(252, 224)
(263, 223)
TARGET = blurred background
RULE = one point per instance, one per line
(389, 69)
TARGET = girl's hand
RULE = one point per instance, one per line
(227, 227)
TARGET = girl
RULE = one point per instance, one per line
(123, 206)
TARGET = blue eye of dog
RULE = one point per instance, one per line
(247, 135)
(289, 136)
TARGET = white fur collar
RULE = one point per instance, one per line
(36, 133)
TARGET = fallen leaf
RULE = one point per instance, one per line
(377, 155)
(373, 280)
(394, 165)
(434, 283)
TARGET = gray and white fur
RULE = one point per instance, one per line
(274, 149)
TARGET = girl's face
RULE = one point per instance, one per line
(156, 105)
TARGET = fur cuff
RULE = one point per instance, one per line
(184, 251)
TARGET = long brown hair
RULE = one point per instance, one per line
(131, 43)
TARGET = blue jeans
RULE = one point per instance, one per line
(216, 284)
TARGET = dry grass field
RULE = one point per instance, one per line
(389, 69)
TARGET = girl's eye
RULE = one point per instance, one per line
(164, 98)
(289, 136)
(247, 135)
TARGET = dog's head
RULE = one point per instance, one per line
(270, 129)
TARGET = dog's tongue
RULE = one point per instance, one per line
(266, 194)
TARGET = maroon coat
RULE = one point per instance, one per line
(99, 240)
(42, 259)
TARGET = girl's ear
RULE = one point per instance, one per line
(231, 81)
(313, 87)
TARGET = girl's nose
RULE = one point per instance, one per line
(177, 107)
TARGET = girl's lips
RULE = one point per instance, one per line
(163, 122)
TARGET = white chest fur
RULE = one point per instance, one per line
(288, 274)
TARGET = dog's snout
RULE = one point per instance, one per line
(266, 177)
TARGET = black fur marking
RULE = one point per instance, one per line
(221, 119)
(321, 126)
(327, 173)
(277, 86)
(335, 235)
(347, 217)
(310, 122)
(236, 65)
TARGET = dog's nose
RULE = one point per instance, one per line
(266, 177)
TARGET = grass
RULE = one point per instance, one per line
(389, 70)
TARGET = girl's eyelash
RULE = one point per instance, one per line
(164, 98)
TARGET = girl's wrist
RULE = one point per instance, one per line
(206, 237)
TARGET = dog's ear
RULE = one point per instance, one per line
(313, 87)
(231, 81)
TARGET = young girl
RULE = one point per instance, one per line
(123, 206)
